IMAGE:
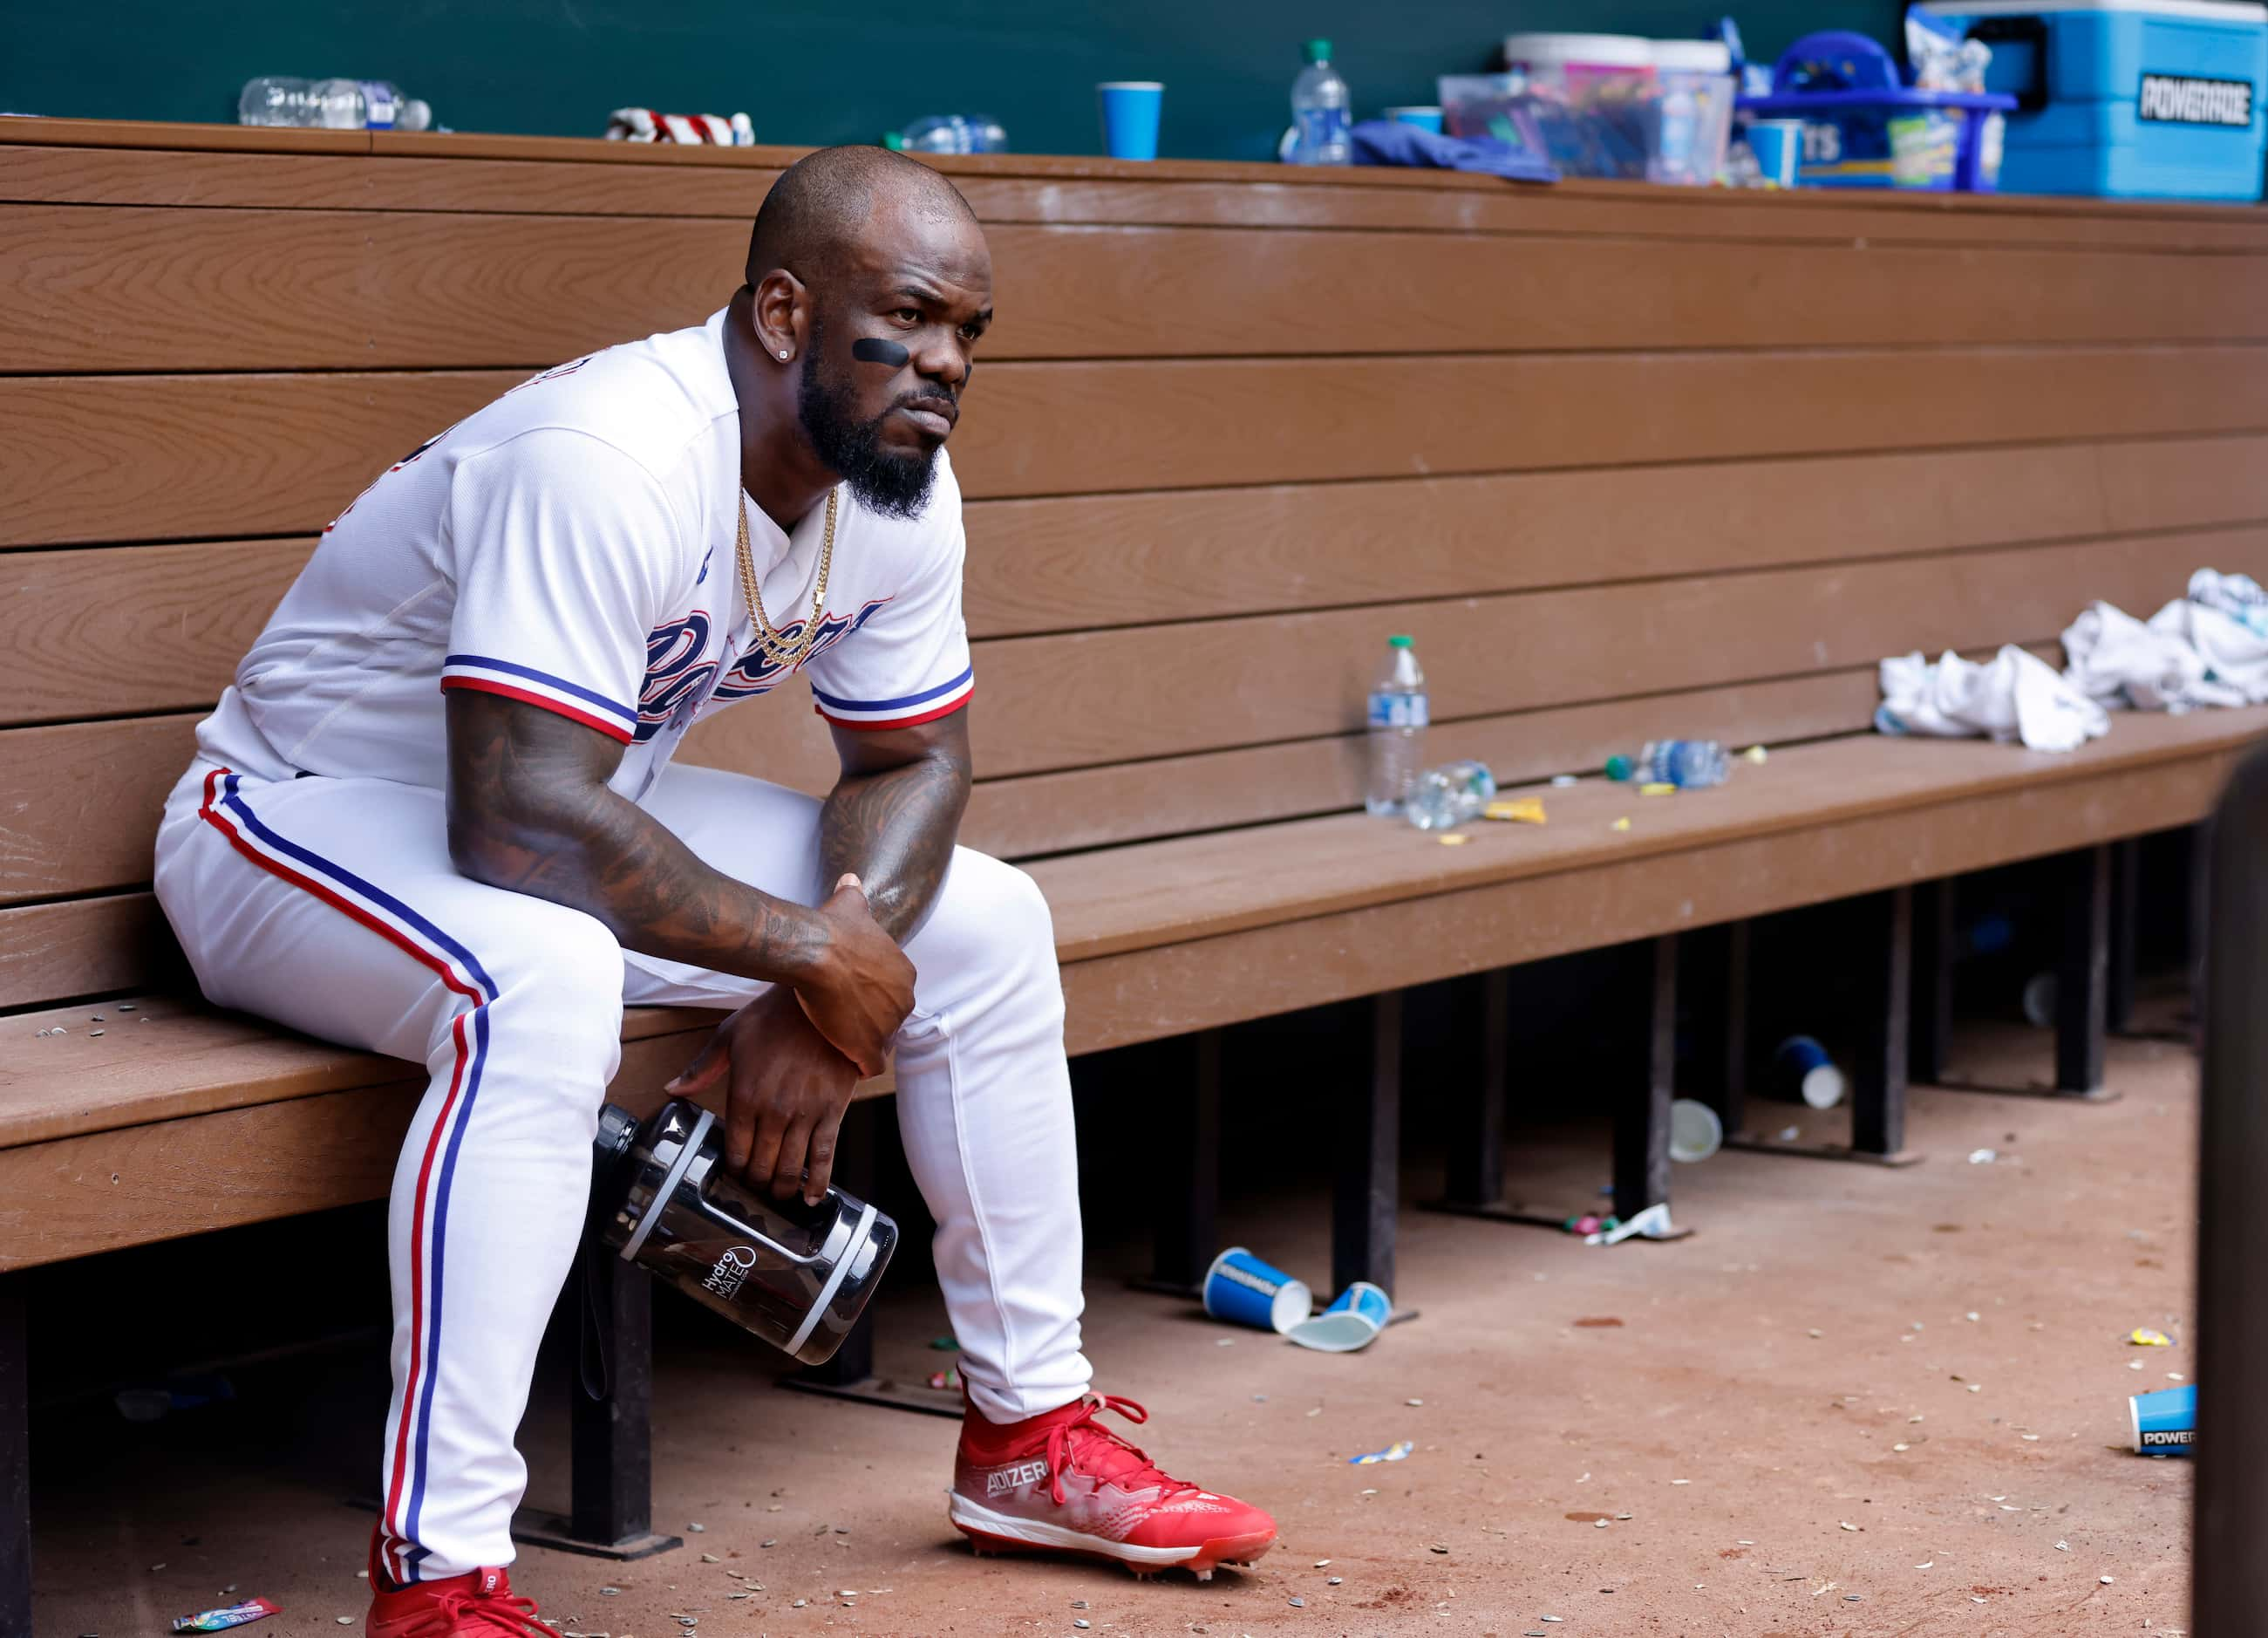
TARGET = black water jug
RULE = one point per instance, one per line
(793, 1274)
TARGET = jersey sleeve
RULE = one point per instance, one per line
(560, 546)
(905, 661)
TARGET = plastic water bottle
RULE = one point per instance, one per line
(1320, 111)
(350, 105)
(1397, 728)
(1688, 764)
(1442, 797)
(953, 133)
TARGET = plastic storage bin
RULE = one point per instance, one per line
(1862, 128)
(1603, 105)
(2127, 99)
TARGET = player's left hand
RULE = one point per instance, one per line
(786, 1089)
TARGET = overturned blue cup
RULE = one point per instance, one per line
(1241, 1289)
(1130, 108)
(2165, 1422)
(1356, 1315)
(1801, 1070)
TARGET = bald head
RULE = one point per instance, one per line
(869, 286)
(827, 203)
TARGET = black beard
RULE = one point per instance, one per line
(881, 480)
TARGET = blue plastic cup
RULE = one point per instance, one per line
(1424, 119)
(1779, 147)
(1356, 1315)
(2165, 1422)
(1802, 1070)
(1130, 117)
(1241, 1289)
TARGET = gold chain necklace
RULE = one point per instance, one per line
(780, 649)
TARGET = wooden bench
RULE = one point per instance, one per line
(1626, 461)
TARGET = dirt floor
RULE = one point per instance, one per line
(1858, 1401)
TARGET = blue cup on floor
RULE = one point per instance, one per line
(1356, 1315)
(1241, 1289)
(1779, 147)
(1802, 1070)
(1424, 119)
(2165, 1422)
(1130, 117)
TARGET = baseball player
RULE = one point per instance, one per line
(436, 816)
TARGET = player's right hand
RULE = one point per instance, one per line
(863, 986)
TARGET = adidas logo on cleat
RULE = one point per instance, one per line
(1005, 1478)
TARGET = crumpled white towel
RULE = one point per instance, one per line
(2234, 656)
(2115, 659)
(2015, 696)
(2238, 596)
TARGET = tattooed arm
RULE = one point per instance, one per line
(892, 816)
(890, 821)
(529, 810)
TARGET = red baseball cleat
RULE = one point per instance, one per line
(1064, 1483)
(478, 1603)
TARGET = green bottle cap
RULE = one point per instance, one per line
(894, 140)
(1319, 51)
(1618, 768)
(1398, 642)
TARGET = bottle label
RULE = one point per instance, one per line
(378, 106)
(1398, 710)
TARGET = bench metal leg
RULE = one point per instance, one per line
(1642, 1112)
(1713, 992)
(15, 1463)
(1931, 1037)
(2125, 901)
(850, 1374)
(610, 1434)
(1370, 1154)
(1883, 939)
(2083, 972)
(1878, 1090)
(1184, 1236)
(1474, 1173)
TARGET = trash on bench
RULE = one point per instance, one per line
(1448, 795)
(1681, 764)
(1517, 809)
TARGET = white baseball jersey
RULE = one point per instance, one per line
(572, 545)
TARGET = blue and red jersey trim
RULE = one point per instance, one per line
(905, 711)
(513, 681)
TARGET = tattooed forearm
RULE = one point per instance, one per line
(894, 825)
(529, 810)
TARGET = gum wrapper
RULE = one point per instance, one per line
(220, 1620)
(1519, 809)
(1395, 1452)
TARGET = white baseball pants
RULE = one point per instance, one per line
(331, 905)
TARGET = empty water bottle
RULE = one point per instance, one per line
(352, 105)
(1321, 114)
(1443, 797)
(1398, 716)
(955, 133)
(1688, 764)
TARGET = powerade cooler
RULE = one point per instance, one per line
(2126, 98)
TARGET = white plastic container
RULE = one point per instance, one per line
(1697, 89)
(1604, 104)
